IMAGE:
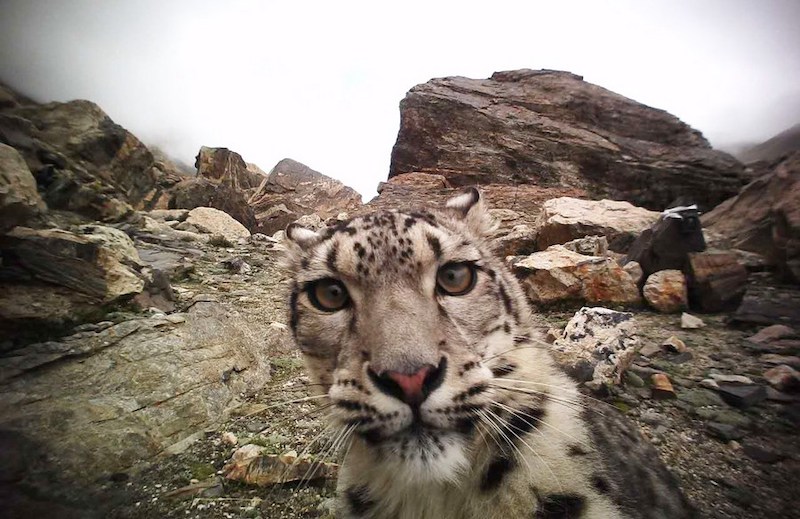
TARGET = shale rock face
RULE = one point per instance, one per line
(551, 128)
(123, 393)
(765, 217)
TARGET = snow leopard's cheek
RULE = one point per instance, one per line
(473, 316)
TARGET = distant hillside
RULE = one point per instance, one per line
(768, 151)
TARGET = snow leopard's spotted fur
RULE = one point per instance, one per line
(503, 433)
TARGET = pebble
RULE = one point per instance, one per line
(652, 417)
(709, 384)
(650, 350)
(742, 396)
(730, 379)
(662, 387)
(674, 345)
(771, 333)
(783, 378)
(773, 358)
(229, 438)
(690, 322)
(724, 431)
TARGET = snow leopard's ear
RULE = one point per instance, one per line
(470, 207)
(301, 237)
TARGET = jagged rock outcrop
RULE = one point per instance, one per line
(292, 190)
(223, 182)
(765, 217)
(775, 148)
(83, 161)
(551, 128)
(19, 200)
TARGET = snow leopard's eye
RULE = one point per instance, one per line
(329, 295)
(456, 279)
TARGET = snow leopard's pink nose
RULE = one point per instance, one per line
(411, 385)
(411, 388)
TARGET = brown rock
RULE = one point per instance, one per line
(775, 359)
(564, 219)
(292, 190)
(763, 305)
(716, 281)
(772, 333)
(765, 217)
(561, 275)
(19, 200)
(661, 387)
(690, 322)
(783, 378)
(666, 291)
(674, 345)
(552, 128)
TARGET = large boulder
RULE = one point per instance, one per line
(100, 401)
(559, 275)
(19, 200)
(292, 190)
(213, 221)
(565, 219)
(551, 128)
(83, 161)
(765, 217)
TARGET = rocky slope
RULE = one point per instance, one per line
(551, 128)
(142, 310)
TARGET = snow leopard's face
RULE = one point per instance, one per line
(404, 320)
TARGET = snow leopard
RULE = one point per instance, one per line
(441, 387)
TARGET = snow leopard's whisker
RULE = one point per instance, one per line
(504, 427)
(340, 435)
(538, 456)
(527, 346)
(566, 402)
(543, 422)
(574, 392)
(491, 425)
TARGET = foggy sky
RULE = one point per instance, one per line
(320, 82)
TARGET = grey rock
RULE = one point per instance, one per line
(724, 431)
(742, 396)
(700, 397)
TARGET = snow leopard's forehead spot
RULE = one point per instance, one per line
(387, 247)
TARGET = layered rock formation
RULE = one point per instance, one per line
(551, 128)
(82, 160)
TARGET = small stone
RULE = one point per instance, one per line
(662, 387)
(176, 318)
(775, 359)
(722, 415)
(229, 438)
(665, 291)
(731, 379)
(724, 431)
(776, 396)
(690, 322)
(760, 454)
(634, 270)
(742, 396)
(709, 384)
(652, 417)
(783, 378)
(771, 333)
(650, 350)
(700, 397)
(674, 345)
